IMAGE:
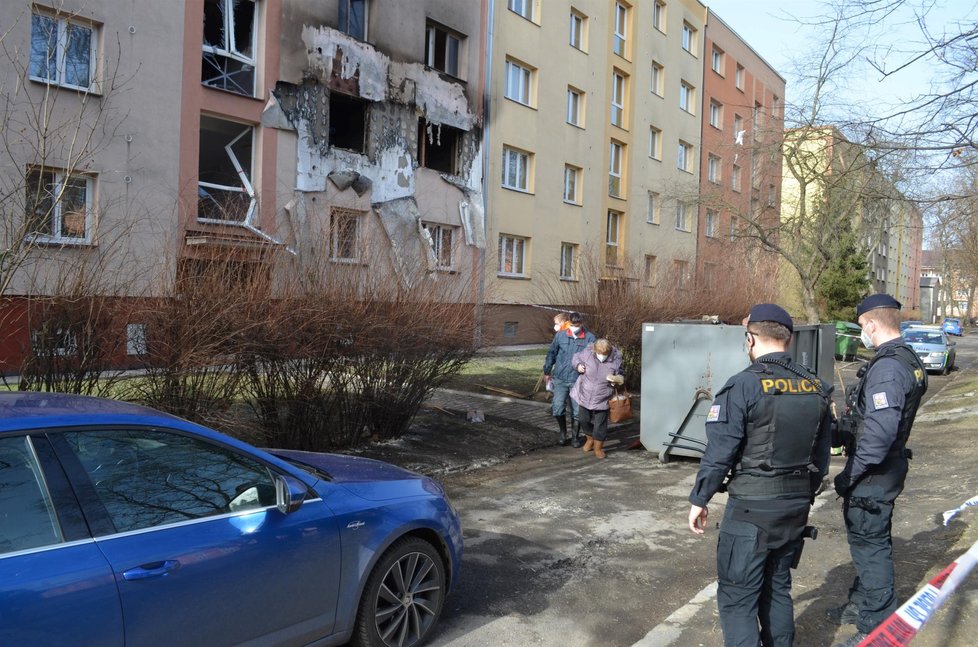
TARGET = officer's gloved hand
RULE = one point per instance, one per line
(842, 483)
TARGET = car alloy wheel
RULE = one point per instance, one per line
(404, 596)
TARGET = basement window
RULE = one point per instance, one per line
(229, 45)
(347, 122)
(438, 147)
(224, 170)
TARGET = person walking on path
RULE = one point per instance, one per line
(875, 427)
(769, 430)
(599, 368)
(561, 374)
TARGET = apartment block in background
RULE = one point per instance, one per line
(740, 169)
(593, 147)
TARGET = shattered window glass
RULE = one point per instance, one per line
(344, 235)
(441, 244)
(224, 171)
(61, 51)
(229, 45)
(442, 49)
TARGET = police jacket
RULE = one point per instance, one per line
(770, 429)
(884, 404)
(563, 347)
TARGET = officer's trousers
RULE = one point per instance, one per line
(754, 584)
(868, 512)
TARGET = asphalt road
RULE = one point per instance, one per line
(564, 550)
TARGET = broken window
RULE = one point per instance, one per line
(442, 49)
(62, 51)
(344, 234)
(347, 122)
(438, 147)
(441, 243)
(58, 205)
(224, 172)
(353, 18)
(229, 45)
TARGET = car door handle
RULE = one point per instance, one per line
(154, 569)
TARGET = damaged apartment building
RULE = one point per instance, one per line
(383, 103)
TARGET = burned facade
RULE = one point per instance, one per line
(387, 139)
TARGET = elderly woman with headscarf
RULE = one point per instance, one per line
(600, 371)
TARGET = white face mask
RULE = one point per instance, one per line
(867, 340)
(556, 327)
(601, 357)
(575, 329)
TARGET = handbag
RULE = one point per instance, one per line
(620, 406)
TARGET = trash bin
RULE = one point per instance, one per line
(847, 340)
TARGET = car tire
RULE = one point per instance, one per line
(403, 597)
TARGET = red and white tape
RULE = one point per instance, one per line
(900, 628)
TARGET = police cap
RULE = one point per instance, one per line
(771, 312)
(875, 301)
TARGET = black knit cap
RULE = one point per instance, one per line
(875, 301)
(771, 312)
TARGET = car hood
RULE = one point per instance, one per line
(367, 478)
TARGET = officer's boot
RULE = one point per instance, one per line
(563, 440)
(578, 441)
(599, 449)
(589, 443)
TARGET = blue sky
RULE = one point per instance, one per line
(768, 27)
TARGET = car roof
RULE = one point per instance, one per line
(33, 410)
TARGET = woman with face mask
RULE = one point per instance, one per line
(599, 366)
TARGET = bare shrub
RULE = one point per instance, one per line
(617, 300)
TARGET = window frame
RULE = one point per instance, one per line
(714, 168)
(436, 238)
(716, 114)
(682, 217)
(659, 19)
(684, 159)
(712, 222)
(658, 79)
(432, 30)
(735, 177)
(519, 264)
(346, 13)
(580, 21)
(575, 97)
(616, 166)
(568, 257)
(612, 238)
(739, 77)
(687, 97)
(55, 214)
(620, 30)
(653, 213)
(337, 214)
(618, 92)
(61, 25)
(526, 11)
(229, 51)
(655, 143)
(689, 36)
(717, 59)
(524, 167)
(55, 534)
(573, 196)
(246, 187)
(524, 80)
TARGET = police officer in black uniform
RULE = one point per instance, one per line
(880, 411)
(768, 434)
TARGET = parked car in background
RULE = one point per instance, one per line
(932, 346)
(121, 525)
(952, 326)
(906, 324)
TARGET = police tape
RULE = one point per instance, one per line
(900, 628)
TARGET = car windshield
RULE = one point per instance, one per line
(923, 337)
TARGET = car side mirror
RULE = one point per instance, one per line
(290, 492)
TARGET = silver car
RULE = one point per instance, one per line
(933, 348)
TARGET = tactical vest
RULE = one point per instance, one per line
(856, 396)
(778, 455)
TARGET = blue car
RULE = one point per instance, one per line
(121, 525)
(951, 326)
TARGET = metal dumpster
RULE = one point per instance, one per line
(684, 365)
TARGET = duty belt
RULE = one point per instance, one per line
(750, 484)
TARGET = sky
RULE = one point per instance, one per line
(768, 27)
